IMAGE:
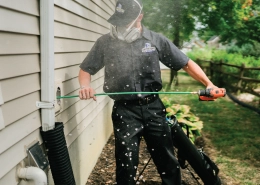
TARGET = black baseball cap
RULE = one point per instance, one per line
(126, 11)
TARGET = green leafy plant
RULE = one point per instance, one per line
(200, 55)
(183, 115)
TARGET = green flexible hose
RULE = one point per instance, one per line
(122, 93)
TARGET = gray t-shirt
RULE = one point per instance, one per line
(133, 67)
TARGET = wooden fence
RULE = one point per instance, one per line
(234, 79)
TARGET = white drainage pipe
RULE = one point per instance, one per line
(47, 65)
(33, 173)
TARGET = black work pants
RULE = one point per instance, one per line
(132, 122)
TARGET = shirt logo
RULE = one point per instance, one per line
(119, 8)
(148, 48)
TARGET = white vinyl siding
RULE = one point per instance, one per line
(19, 82)
(87, 124)
(17, 65)
(14, 43)
(78, 24)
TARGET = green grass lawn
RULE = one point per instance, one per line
(232, 130)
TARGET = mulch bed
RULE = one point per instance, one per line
(104, 171)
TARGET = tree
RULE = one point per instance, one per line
(172, 18)
(237, 20)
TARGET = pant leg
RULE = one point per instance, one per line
(159, 142)
(128, 132)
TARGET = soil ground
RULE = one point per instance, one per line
(104, 171)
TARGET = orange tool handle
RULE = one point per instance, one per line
(211, 94)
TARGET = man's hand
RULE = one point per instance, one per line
(86, 93)
(211, 86)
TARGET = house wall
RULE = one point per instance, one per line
(87, 126)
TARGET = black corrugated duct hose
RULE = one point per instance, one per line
(206, 169)
(232, 97)
(58, 155)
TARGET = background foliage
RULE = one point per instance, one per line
(200, 55)
(237, 22)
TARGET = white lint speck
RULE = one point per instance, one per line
(164, 135)
(163, 173)
(128, 134)
(117, 130)
(121, 117)
(126, 154)
(123, 142)
(136, 129)
(135, 167)
(127, 85)
(139, 95)
(152, 149)
(123, 165)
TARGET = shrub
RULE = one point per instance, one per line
(247, 50)
(183, 115)
(230, 58)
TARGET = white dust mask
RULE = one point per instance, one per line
(129, 34)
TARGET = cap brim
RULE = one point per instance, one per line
(118, 20)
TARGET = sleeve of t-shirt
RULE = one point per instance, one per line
(171, 56)
(94, 60)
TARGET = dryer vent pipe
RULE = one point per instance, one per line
(34, 174)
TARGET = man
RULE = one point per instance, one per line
(131, 55)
